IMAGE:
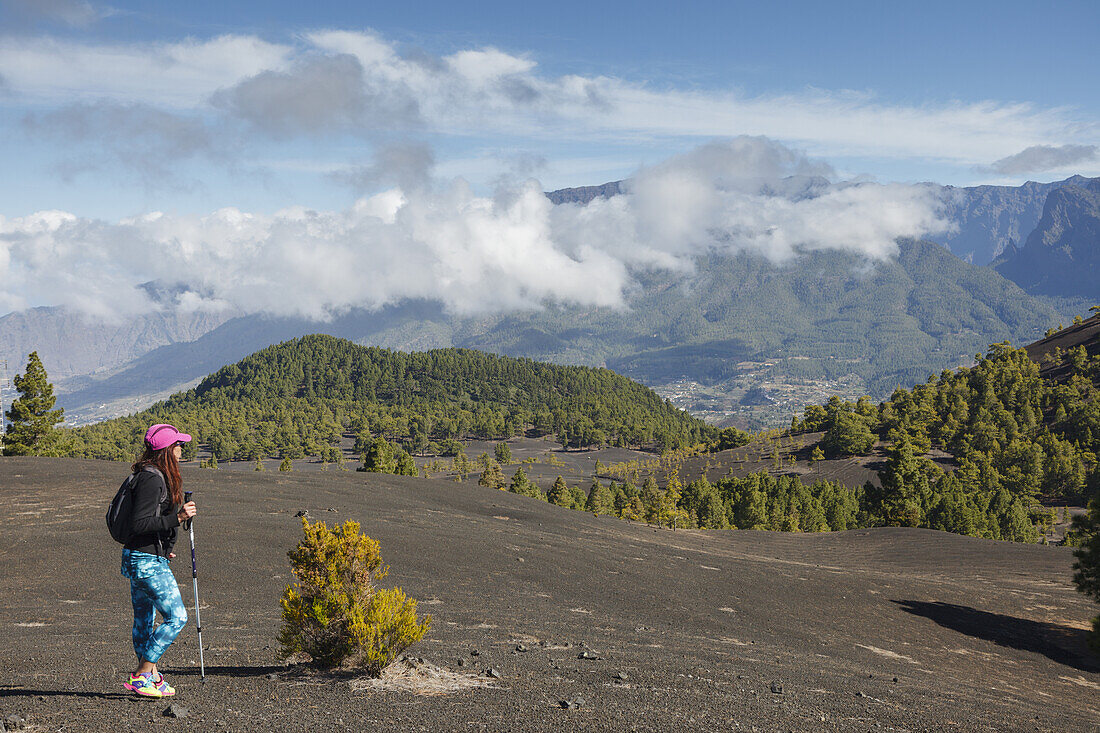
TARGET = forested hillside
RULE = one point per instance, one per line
(1017, 438)
(296, 398)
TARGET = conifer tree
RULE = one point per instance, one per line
(285, 465)
(650, 500)
(523, 485)
(600, 500)
(492, 477)
(32, 421)
(502, 453)
(379, 457)
(559, 493)
(1087, 567)
(405, 465)
(669, 513)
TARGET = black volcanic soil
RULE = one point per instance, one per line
(979, 635)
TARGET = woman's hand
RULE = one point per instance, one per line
(186, 512)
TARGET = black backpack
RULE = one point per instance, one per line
(121, 508)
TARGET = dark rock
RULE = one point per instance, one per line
(494, 673)
(272, 676)
(860, 694)
(15, 721)
(302, 513)
(621, 676)
(461, 662)
(475, 653)
(521, 648)
(572, 704)
(175, 711)
(895, 679)
(777, 688)
(588, 655)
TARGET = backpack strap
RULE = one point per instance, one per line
(156, 471)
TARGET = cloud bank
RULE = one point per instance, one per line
(437, 240)
(1039, 158)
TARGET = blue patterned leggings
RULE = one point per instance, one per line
(154, 592)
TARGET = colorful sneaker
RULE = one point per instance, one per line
(143, 685)
(166, 690)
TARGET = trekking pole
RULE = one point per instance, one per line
(195, 588)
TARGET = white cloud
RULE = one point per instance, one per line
(1040, 158)
(176, 75)
(473, 254)
(315, 88)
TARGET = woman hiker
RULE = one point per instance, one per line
(157, 510)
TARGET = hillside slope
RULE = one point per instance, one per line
(296, 398)
(890, 628)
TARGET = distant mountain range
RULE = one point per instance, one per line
(828, 314)
(1061, 256)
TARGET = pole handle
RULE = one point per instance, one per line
(187, 498)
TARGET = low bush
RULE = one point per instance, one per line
(334, 613)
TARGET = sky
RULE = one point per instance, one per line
(220, 132)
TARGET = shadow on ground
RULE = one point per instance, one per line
(227, 671)
(24, 692)
(1055, 642)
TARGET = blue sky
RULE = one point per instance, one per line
(1004, 76)
(254, 153)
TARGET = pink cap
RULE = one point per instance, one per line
(162, 436)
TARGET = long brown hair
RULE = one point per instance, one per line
(165, 460)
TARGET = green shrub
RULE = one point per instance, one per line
(334, 614)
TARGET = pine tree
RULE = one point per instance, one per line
(559, 493)
(522, 485)
(492, 477)
(600, 500)
(669, 513)
(650, 500)
(285, 465)
(503, 453)
(260, 464)
(405, 465)
(379, 457)
(31, 427)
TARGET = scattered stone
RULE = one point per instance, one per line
(860, 694)
(15, 721)
(777, 688)
(175, 711)
(332, 509)
(461, 662)
(302, 513)
(520, 559)
(588, 655)
(572, 704)
(474, 653)
(521, 648)
(895, 679)
(621, 676)
(272, 676)
(494, 673)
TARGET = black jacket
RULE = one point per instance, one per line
(153, 531)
